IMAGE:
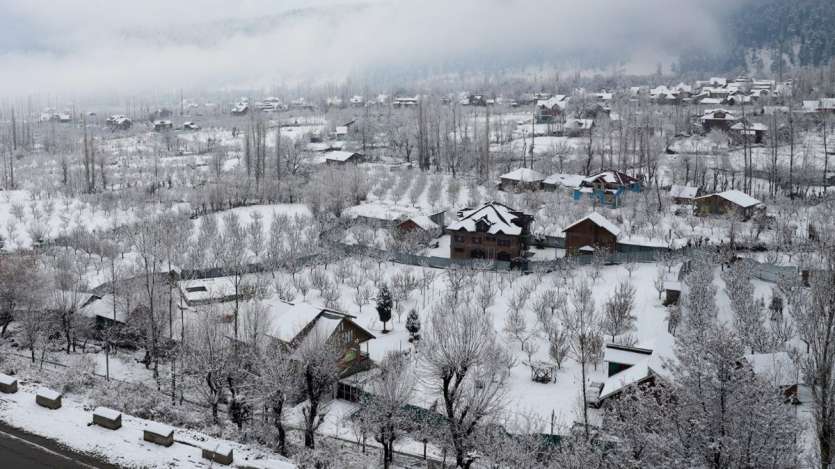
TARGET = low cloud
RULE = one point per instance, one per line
(87, 48)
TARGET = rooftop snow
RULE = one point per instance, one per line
(340, 155)
(777, 368)
(523, 175)
(739, 198)
(598, 220)
(498, 216)
(685, 192)
(565, 180)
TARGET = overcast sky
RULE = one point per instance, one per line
(89, 47)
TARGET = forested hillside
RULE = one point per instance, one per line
(757, 32)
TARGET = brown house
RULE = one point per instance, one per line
(728, 202)
(293, 325)
(590, 234)
(493, 231)
(718, 119)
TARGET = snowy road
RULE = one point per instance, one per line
(33, 453)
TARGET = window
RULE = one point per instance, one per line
(459, 239)
(459, 249)
(491, 239)
(503, 242)
(476, 240)
(199, 289)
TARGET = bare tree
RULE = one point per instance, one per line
(463, 366)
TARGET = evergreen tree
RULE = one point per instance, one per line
(413, 325)
(384, 304)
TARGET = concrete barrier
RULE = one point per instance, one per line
(107, 418)
(48, 398)
(159, 434)
(220, 453)
(8, 385)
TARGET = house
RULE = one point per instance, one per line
(728, 202)
(551, 110)
(589, 234)
(777, 369)
(420, 224)
(644, 373)
(295, 326)
(190, 126)
(211, 291)
(388, 216)
(162, 125)
(119, 122)
(342, 158)
(607, 187)
(683, 195)
(559, 181)
(578, 127)
(493, 231)
(240, 109)
(621, 357)
(825, 105)
(521, 180)
(753, 133)
(405, 101)
(717, 119)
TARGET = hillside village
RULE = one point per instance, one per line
(521, 275)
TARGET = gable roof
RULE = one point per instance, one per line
(340, 155)
(423, 222)
(523, 175)
(565, 180)
(739, 198)
(498, 216)
(598, 220)
(777, 368)
(626, 355)
(288, 321)
(684, 192)
(612, 177)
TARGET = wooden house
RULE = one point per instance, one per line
(607, 187)
(729, 202)
(420, 224)
(492, 231)
(521, 180)
(683, 195)
(559, 181)
(342, 158)
(717, 119)
(590, 234)
(295, 325)
(752, 133)
(551, 110)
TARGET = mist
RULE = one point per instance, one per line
(80, 48)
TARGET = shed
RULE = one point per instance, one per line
(342, 158)
(683, 195)
(593, 231)
(728, 202)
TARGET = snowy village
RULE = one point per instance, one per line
(525, 267)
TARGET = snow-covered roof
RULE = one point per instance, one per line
(739, 198)
(382, 211)
(341, 156)
(159, 428)
(632, 375)
(6, 380)
(756, 126)
(565, 180)
(610, 177)
(499, 217)
(523, 175)
(777, 367)
(103, 307)
(625, 355)
(598, 220)
(424, 222)
(208, 289)
(288, 319)
(684, 192)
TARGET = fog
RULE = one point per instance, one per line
(95, 47)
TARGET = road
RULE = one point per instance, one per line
(37, 453)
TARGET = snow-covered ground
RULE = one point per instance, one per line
(71, 426)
